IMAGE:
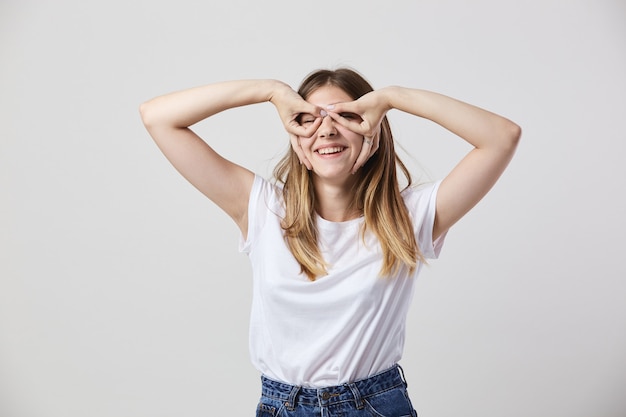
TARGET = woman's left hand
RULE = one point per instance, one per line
(362, 116)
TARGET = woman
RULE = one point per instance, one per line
(335, 245)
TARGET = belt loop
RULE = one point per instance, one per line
(291, 401)
(406, 384)
(357, 396)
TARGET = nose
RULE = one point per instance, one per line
(327, 128)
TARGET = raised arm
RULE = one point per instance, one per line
(493, 137)
(168, 118)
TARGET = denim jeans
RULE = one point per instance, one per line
(382, 395)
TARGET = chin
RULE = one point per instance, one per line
(333, 177)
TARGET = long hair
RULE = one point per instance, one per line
(376, 193)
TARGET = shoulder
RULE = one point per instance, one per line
(265, 194)
(421, 203)
(420, 195)
(265, 207)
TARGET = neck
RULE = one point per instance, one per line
(335, 203)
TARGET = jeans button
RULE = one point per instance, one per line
(325, 395)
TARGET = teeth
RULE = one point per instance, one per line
(327, 151)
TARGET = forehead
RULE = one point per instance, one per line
(328, 94)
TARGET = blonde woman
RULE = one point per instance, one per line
(335, 244)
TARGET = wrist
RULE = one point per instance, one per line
(389, 95)
(409, 100)
(276, 89)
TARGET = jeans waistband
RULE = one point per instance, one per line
(292, 395)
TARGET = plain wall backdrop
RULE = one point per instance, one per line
(122, 292)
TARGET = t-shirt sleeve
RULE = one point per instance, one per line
(254, 219)
(421, 203)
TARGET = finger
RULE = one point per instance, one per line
(364, 155)
(375, 144)
(310, 108)
(297, 129)
(357, 127)
(295, 145)
(347, 106)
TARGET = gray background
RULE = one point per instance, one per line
(122, 292)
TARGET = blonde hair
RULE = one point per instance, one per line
(377, 193)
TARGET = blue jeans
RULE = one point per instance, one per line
(382, 395)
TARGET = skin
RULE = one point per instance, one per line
(331, 118)
(331, 154)
(493, 137)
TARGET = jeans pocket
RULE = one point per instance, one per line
(392, 403)
(269, 408)
(264, 410)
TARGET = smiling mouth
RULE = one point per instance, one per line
(329, 151)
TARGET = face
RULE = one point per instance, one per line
(333, 149)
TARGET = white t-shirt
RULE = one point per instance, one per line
(344, 326)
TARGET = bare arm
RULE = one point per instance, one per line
(493, 137)
(168, 118)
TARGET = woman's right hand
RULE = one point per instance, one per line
(290, 106)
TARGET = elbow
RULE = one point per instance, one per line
(146, 113)
(152, 114)
(515, 132)
(512, 135)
